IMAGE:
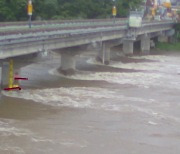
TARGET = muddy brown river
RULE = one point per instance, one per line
(131, 106)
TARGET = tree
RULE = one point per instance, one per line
(11, 10)
(5, 12)
(124, 6)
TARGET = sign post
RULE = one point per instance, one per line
(29, 11)
(114, 12)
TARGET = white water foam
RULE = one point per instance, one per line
(81, 97)
(7, 131)
(159, 58)
(7, 128)
(17, 140)
(139, 79)
(11, 149)
(164, 69)
(164, 72)
(73, 143)
(94, 98)
(159, 64)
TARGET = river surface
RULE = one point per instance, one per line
(131, 106)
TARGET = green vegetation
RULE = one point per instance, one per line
(168, 46)
(13, 10)
(177, 31)
(171, 46)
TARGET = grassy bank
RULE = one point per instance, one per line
(168, 46)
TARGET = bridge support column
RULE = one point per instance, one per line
(68, 64)
(145, 45)
(104, 54)
(4, 74)
(128, 47)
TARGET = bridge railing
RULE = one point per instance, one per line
(47, 22)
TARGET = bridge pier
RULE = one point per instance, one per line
(128, 47)
(145, 45)
(68, 64)
(4, 74)
(104, 54)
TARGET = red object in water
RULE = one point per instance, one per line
(14, 88)
(19, 78)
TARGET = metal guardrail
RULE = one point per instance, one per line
(47, 22)
(11, 39)
(59, 24)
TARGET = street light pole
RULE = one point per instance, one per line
(29, 11)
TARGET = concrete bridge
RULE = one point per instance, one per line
(70, 38)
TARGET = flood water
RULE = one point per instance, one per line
(131, 106)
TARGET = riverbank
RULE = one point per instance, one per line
(168, 46)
